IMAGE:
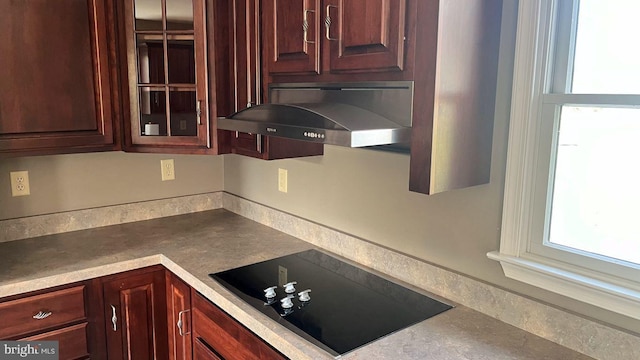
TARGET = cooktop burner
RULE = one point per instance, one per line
(344, 308)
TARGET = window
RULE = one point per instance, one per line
(572, 191)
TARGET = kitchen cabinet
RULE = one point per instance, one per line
(136, 314)
(314, 37)
(454, 93)
(246, 85)
(179, 318)
(172, 61)
(59, 89)
(59, 314)
(218, 336)
(449, 49)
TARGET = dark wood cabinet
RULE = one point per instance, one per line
(292, 36)
(179, 318)
(173, 60)
(455, 76)
(246, 85)
(59, 89)
(365, 35)
(449, 49)
(314, 37)
(62, 314)
(136, 314)
(218, 336)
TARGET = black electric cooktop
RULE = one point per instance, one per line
(347, 307)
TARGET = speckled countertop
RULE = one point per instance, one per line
(194, 245)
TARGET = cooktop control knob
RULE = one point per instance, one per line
(289, 288)
(304, 295)
(286, 302)
(270, 293)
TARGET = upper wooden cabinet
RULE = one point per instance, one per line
(58, 83)
(334, 36)
(246, 85)
(170, 55)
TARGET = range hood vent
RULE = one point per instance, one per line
(349, 114)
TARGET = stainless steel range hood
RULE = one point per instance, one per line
(347, 114)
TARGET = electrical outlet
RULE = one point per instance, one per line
(20, 183)
(282, 180)
(168, 171)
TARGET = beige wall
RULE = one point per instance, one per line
(365, 193)
(80, 181)
(360, 192)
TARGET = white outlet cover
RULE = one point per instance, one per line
(167, 169)
(20, 183)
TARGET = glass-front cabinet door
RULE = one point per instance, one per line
(167, 72)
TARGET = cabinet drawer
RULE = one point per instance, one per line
(203, 352)
(55, 308)
(225, 335)
(72, 341)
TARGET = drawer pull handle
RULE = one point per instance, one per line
(42, 315)
(114, 318)
(180, 322)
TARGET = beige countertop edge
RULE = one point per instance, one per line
(25, 286)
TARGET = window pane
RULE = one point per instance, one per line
(150, 51)
(184, 118)
(181, 60)
(596, 194)
(148, 14)
(153, 116)
(179, 15)
(607, 56)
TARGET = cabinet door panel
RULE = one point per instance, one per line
(135, 308)
(179, 315)
(369, 35)
(167, 72)
(286, 50)
(56, 89)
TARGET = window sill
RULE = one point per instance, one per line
(562, 279)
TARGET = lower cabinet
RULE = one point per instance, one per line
(179, 318)
(58, 314)
(142, 314)
(135, 311)
(218, 336)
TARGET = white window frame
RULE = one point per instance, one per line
(528, 179)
